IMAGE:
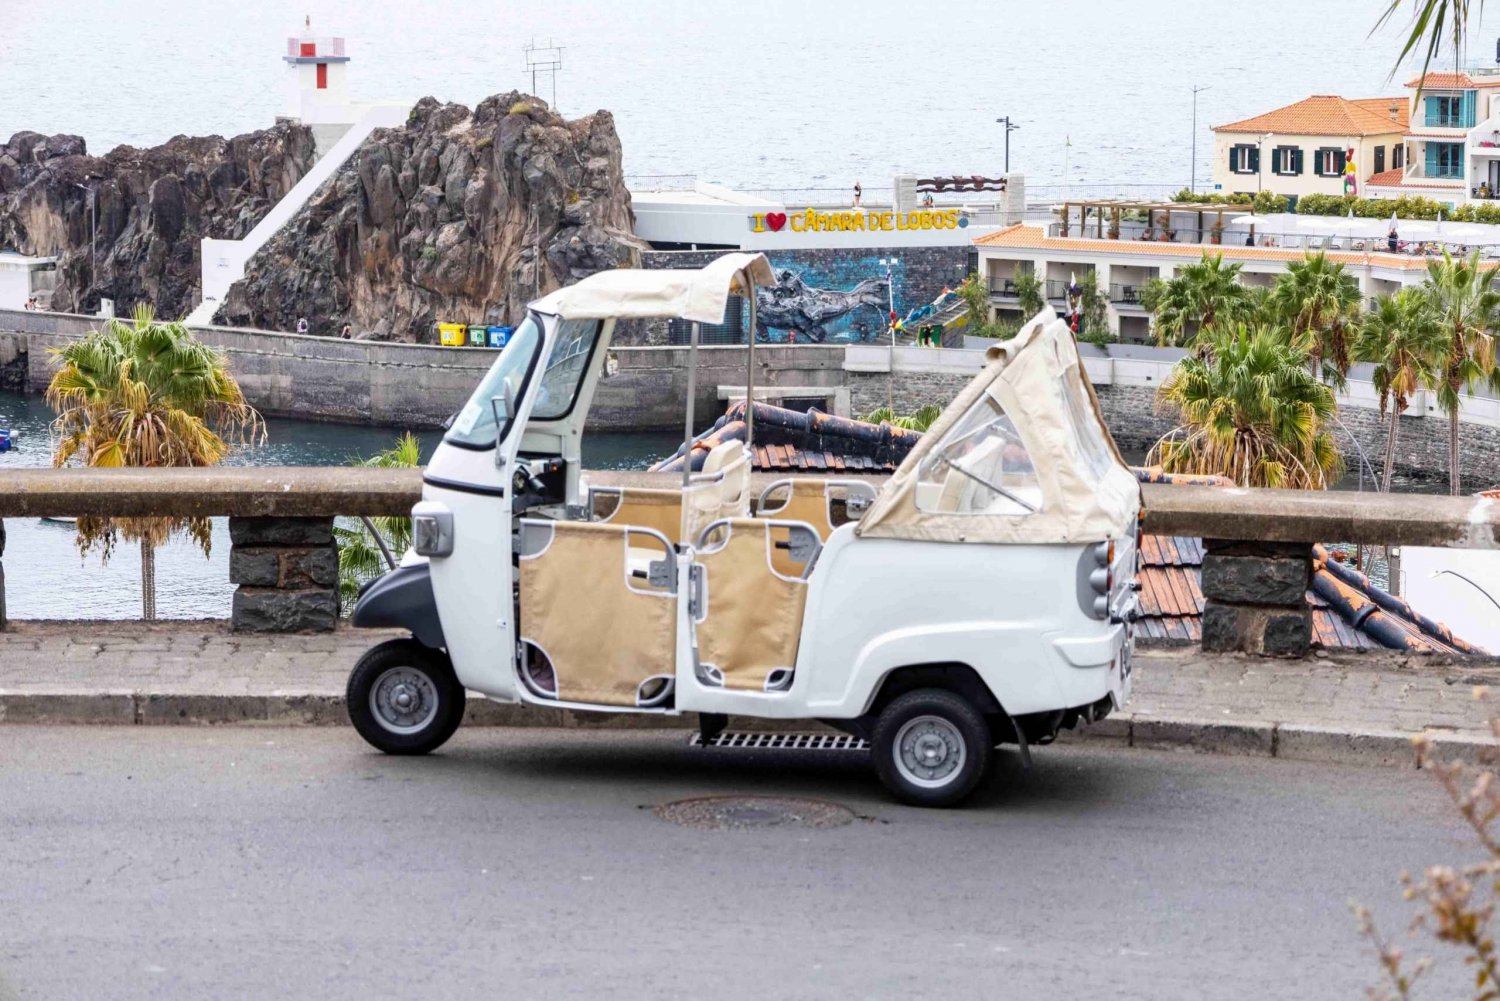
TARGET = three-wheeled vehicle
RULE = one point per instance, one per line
(983, 595)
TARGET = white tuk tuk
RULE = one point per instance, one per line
(983, 596)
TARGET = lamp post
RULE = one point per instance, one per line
(93, 230)
(1009, 128)
(1193, 183)
(1260, 154)
(890, 264)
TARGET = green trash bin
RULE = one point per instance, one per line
(477, 338)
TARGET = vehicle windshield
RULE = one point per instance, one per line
(474, 427)
(567, 363)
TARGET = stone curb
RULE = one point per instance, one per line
(1298, 742)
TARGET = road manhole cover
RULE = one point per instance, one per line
(732, 813)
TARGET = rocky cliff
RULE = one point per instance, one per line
(154, 206)
(461, 216)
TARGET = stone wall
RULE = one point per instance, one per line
(649, 388)
(419, 386)
(14, 357)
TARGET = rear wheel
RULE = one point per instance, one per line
(931, 747)
(404, 698)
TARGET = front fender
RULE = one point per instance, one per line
(402, 598)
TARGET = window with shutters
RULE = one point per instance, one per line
(1398, 155)
(1330, 161)
(1379, 159)
(1286, 161)
(1244, 159)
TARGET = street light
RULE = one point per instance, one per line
(1009, 128)
(93, 230)
(1260, 156)
(1193, 184)
(890, 264)
(1453, 573)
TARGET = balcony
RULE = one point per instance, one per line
(1456, 120)
(1126, 296)
(1003, 288)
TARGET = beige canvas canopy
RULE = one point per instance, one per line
(1083, 490)
(630, 293)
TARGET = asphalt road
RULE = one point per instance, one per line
(294, 863)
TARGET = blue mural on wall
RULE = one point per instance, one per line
(792, 311)
(845, 300)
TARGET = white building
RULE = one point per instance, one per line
(1306, 148)
(1124, 266)
(23, 278)
(1453, 141)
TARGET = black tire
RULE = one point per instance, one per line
(426, 678)
(965, 747)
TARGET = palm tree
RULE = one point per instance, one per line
(360, 558)
(1202, 295)
(1251, 411)
(1402, 337)
(1434, 23)
(1467, 309)
(921, 420)
(144, 393)
(1320, 304)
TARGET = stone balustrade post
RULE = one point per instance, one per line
(287, 570)
(1256, 597)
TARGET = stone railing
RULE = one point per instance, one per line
(282, 557)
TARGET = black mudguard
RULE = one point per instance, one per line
(402, 599)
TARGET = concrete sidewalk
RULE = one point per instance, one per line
(1356, 707)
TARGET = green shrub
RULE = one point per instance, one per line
(521, 108)
(428, 253)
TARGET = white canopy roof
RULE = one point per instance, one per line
(700, 295)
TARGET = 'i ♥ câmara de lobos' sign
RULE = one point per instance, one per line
(855, 221)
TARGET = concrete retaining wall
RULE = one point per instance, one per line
(418, 386)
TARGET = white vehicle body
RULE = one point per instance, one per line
(1002, 550)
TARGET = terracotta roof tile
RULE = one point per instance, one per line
(1452, 81)
(1327, 115)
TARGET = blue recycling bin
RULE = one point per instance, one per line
(499, 335)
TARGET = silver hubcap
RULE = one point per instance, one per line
(929, 751)
(403, 700)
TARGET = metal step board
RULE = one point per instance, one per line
(782, 741)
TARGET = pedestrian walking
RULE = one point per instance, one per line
(858, 193)
(301, 324)
(347, 333)
(1392, 239)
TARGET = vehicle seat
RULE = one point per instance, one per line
(610, 636)
(810, 500)
(751, 613)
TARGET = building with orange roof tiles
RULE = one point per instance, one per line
(1307, 147)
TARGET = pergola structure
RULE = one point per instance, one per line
(1160, 217)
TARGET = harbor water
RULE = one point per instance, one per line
(781, 95)
(46, 578)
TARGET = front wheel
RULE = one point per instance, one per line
(404, 698)
(931, 747)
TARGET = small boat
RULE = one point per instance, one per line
(61, 519)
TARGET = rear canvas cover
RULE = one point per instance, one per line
(1025, 377)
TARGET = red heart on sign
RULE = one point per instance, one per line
(775, 220)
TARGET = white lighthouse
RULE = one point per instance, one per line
(317, 87)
